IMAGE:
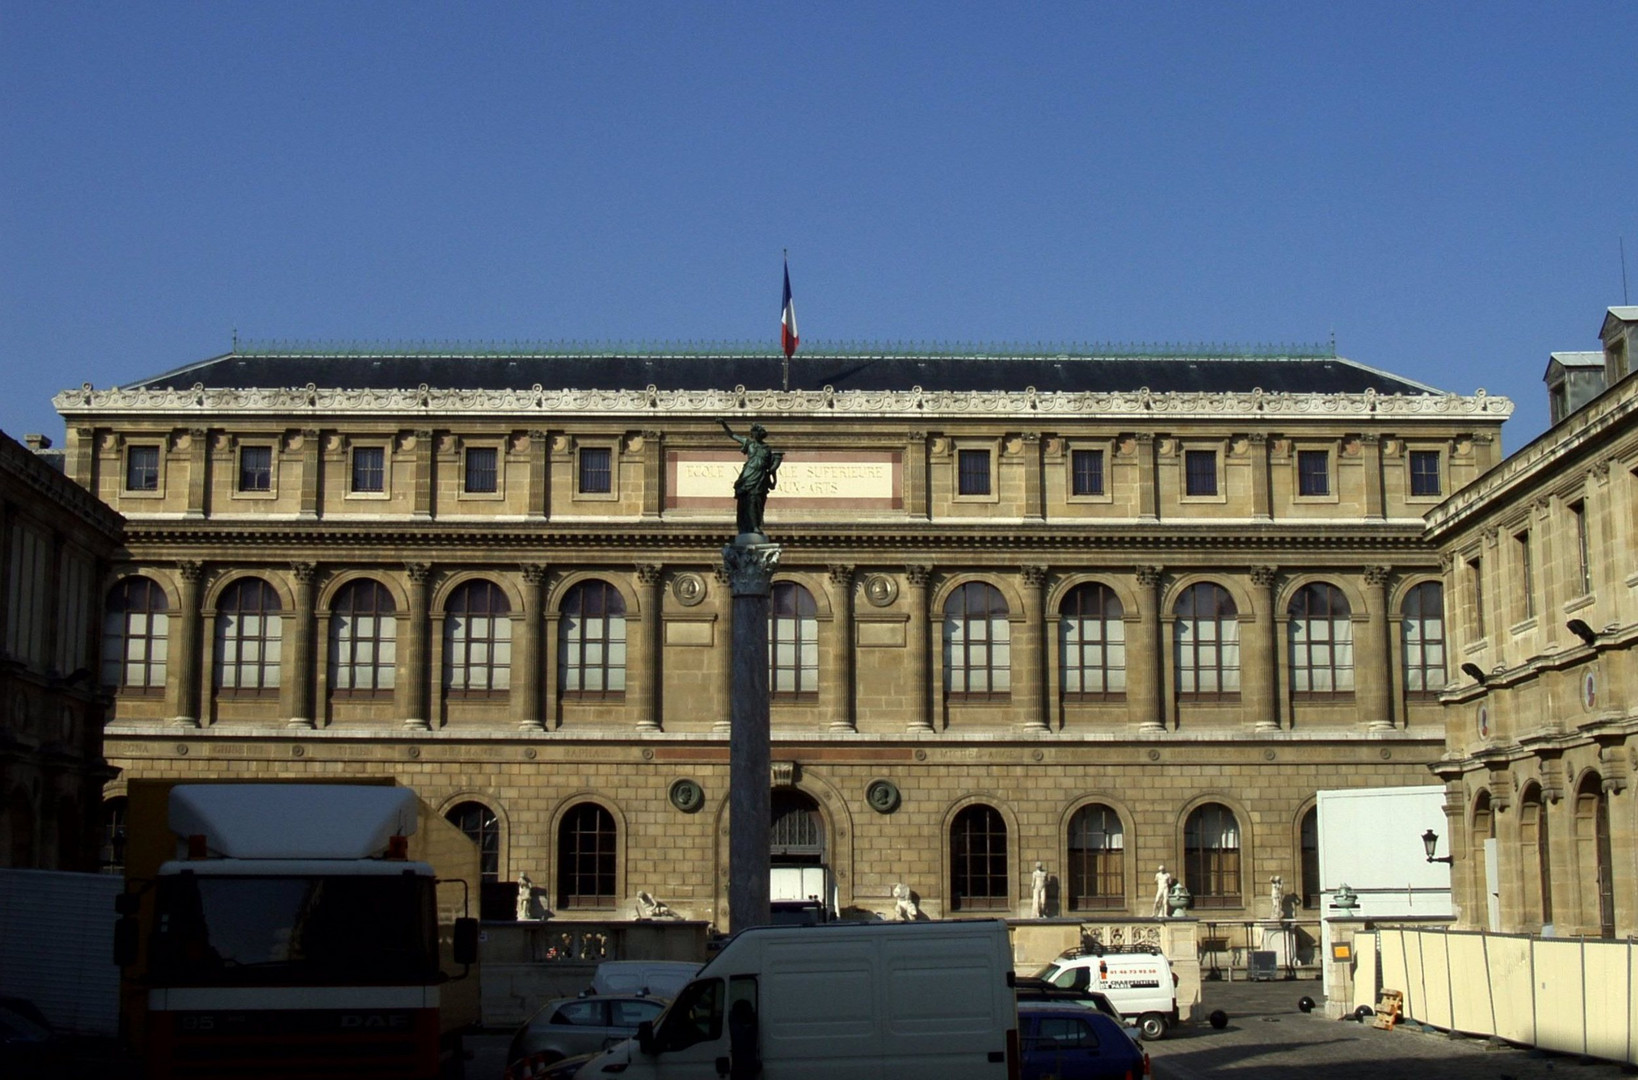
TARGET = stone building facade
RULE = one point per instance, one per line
(1105, 613)
(1541, 582)
(56, 545)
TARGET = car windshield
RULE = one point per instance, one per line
(1048, 972)
(311, 929)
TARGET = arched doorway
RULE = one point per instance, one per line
(798, 869)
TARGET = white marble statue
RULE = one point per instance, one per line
(1037, 892)
(1163, 885)
(526, 898)
(1276, 897)
(904, 905)
(650, 908)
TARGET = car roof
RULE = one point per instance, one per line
(1068, 1008)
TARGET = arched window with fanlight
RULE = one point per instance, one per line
(496, 898)
(1207, 644)
(135, 636)
(1092, 644)
(977, 644)
(1308, 839)
(1211, 857)
(1322, 643)
(477, 641)
(1594, 864)
(1535, 844)
(363, 640)
(979, 880)
(1423, 634)
(591, 648)
(586, 857)
(1097, 860)
(793, 643)
(249, 639)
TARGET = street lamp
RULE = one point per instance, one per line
(1430, 843)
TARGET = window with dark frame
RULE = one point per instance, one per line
(249, 636)
(481, 827)
(979, 880)
(1423, 633)
(369, 469)
(1086, 472)
(478, 641)
(142, 468)
(977, 643)
(1583, 566)
(1211, 857)
(1322, 643)
(1313, 472)
(1309, 839)
(793, 643)
(363, 640)
(586, 858)
(596, 470)
(1424, 473)
(135, 636)
(255, 468)
(973, 467)
(1097, 867)
(1200, 469)
(1092, 636)
(1207, 644)
(482, 475)
(592, 642)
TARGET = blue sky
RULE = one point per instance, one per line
(1442, 186)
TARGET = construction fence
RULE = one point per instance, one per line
(1568, 995)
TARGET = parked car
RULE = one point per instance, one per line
(1073, 1042)
(567, 1027)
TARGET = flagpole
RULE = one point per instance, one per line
(785, 365)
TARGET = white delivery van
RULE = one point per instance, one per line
(1139, 984)
(842, 1001)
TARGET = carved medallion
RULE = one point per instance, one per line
(881, 590)
(688, 588)
(687, 795)
(883, 796)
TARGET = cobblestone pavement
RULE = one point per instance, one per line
(1268, 1037)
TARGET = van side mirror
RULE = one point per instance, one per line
(466, 941)
(125, 941)
(645, 1037)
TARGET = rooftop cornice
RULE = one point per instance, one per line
(419, 403)
(857, 350)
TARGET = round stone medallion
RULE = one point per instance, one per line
(881, 590)
(687, 795)
(883, 796)
(689, 589)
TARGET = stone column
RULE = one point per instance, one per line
(312, 456)
(527, 688)
(1260, 656)
(187, 659)
(1029, 650)
(1262, 499)
(919, 645)
(723, 722)
(1147, 660)
(838, 691)
(647, 698)
(750, 567)
(1374, 674)
(298, 686)
(416, 715)
(198, 471)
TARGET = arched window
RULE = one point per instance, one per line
(1322, 643)
(481, 827)
(1424, 633)
(1097, 860)
(111, 857)
(363, 639)
(1211, 857)
(592, 642)
(978, 861)
(977, 643)
(1092, 639)
(135, 636)
(1592, 847)
(1534, 861)
(477, 641)
(249, 632)
(585, 857)
(793, 643)
(796, 836)
(1308, 837)
(1207, 636)
(1484, 832)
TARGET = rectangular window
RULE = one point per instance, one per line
(255, 468)
(142, 468)
(369, 469)
(1424, 473)
(1313, 472)
(1475, 574)
(1527, 576)
(1583, 574)
(974, 472)
(1200, 472)
(481, 476)
(596, 470)
(1086, 472)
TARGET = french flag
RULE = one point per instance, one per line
(787, 317)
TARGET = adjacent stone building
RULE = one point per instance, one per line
(56, 545)
(1541, 581)
(1108, 612)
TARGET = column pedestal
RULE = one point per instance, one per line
(750, 562)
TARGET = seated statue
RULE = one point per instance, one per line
(650, 908)
(904, 904)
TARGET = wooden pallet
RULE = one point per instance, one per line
(1388, 1008)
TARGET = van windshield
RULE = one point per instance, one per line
(695, 1017)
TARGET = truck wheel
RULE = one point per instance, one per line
(1153, 1026)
